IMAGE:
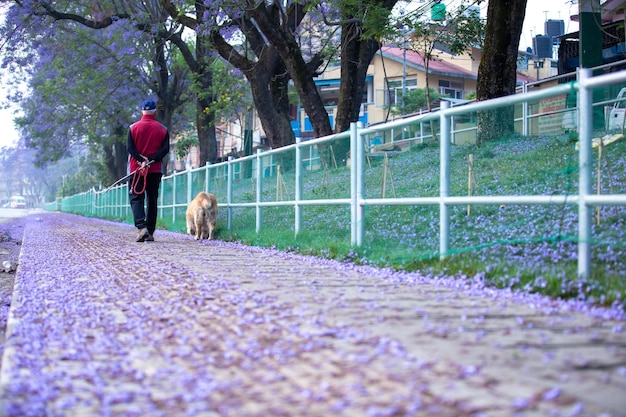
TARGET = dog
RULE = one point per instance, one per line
(201, 216)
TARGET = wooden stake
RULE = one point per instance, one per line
(332, 154)
(471, 181)
(384, 185)
(602, 155)
(277, 182)
(327, 181)
(387, 169)
(280, 185)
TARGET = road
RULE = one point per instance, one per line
(11, 213)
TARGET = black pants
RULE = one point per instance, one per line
(145, 218)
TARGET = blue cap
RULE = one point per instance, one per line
(148, 105)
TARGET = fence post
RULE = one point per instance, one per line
(585, 115)
(444, 180)
(353, 185)
(174, 198)
(298, 187)
(525, 120)
(189, 190)
(207, 177)
(118, 203)
(259, 188)
(359, 160)
(161, 200)
(229, 193)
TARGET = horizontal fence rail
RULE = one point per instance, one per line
(257, 181)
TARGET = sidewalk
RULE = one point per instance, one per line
(102, 326)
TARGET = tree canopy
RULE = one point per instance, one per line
(87, 66)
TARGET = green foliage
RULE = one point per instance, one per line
(375, 20)
(183, 145)
(415, 100)
(83, 179)
(230, 93)
(458, 34)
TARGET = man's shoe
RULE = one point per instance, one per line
(142, 235)
(150, 238)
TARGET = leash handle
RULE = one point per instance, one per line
(140, 173)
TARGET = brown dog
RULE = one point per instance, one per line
(201, 216)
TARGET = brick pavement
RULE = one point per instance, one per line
(101, 325)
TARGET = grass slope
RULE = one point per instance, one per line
(528, 247)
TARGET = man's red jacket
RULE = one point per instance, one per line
(149, 138)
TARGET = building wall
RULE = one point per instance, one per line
(469, 60)
(375, 109)
(394, 70)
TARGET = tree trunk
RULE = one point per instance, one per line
(279, 89)
(287, 47)
(114, 154)
(356, 56)
(497, 72)
(433, 126)
(275, 123)
(205, 117)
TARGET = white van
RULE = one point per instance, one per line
(17, 201)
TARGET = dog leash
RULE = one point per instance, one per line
(132, 174)
(140, 173)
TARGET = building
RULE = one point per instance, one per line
(613, 41)
(394, 69)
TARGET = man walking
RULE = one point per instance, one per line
(148, 143)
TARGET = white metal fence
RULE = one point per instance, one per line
(241, 183)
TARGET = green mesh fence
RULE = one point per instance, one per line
(516, 243)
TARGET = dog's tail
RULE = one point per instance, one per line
(207, 203)
(204, 209)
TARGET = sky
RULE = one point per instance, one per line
(537, 12)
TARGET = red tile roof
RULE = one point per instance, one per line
(416, 60)
(436, 66)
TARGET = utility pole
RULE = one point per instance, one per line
(590, 41)
(590, 48)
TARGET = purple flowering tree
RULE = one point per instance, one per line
(266, 72)
(100, 76)
(272, 55)
(75, 96)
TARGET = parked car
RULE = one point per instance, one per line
(17, 201)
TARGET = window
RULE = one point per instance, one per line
(451, 89)
(395, 90)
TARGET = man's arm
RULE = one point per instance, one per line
(164, 150)
(132, 150)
